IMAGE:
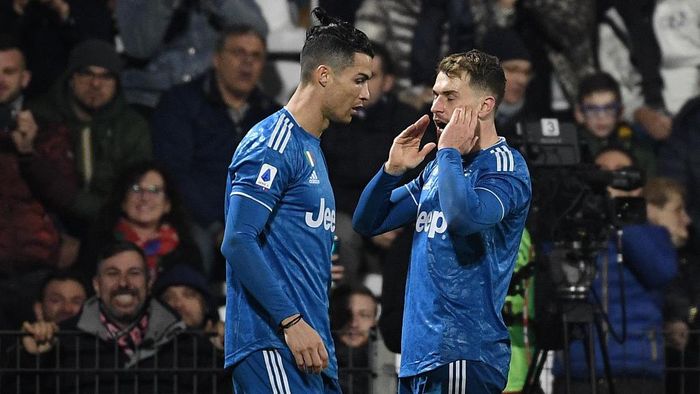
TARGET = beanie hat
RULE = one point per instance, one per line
(94, 52)
(505, 44)
(184, 275)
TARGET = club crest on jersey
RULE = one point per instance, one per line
(313, 179)
(266, 176)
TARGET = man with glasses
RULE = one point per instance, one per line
(107, 135)
(599, 114)
(198, 125)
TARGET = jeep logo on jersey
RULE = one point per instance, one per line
(324, 216)
(431, 222)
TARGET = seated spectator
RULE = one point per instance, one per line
(599, 115)
(61, 297)
(354, 312)
(107, 135)
(649, 265)
(172, 42)
(144, 209)
(678, 159)
(186, 291)
(198, 125)
(514, 56)
(121, 327)
(30, 241)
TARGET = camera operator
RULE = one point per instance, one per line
(634, 331)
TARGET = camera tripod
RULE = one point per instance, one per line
(574, 313)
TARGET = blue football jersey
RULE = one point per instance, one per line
(457, 284)
(281, 167)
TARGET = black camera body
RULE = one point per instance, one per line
(572, 217)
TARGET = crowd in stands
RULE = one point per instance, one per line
(119, 118)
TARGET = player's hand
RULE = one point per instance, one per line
(41, 338)
(405, 152)
(307, 347)
(460, 132)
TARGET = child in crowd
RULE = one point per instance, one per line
(599, 115)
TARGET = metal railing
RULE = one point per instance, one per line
(83, 363)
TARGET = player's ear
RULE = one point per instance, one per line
(487, 106)
(323, 75)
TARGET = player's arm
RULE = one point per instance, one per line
(245, 221)
(383, 206)
(469, 209)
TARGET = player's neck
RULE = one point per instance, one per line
(305, 107)
(487, 135)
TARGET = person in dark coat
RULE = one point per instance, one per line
(198, 125)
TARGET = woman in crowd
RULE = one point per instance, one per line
(146, 210)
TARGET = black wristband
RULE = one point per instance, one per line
(291, 322)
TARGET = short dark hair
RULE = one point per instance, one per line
(658, 191)
(388, 64)
(616, 147)
(339, 311)
(9, 42)
(333, 42)
(597, 83)
(114, 248)
(59, 276)
(484, 70)
(237, 29)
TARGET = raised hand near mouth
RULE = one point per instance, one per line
(405, 152)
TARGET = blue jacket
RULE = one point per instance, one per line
(194, 137)
(649, 264)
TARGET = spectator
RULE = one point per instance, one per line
(649, 265)
(107, 135)
(677, 28)
(121, 327)
(353, 151)
(678, 159)
(510, 49)
(599, 114)
(144, 209)
(186, 291)
(172, 41)
(49, 29)
(391, 22)
(61, 297)
(354, 311)
(198, 125)
(29, 239)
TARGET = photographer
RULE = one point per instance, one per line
(634, 334)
